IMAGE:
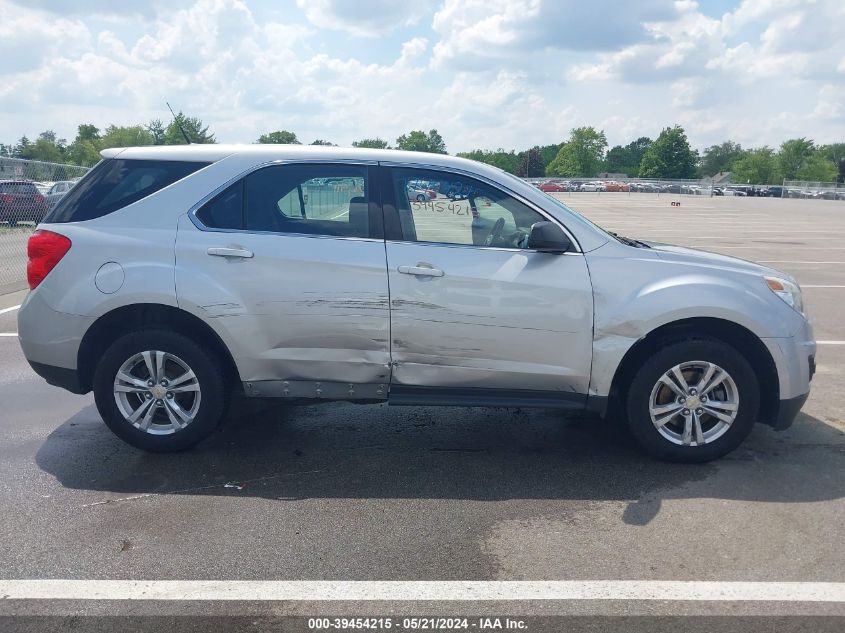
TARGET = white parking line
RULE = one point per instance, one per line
(830, 342)
(820, 286)
(8, 333)
(307, 590)
(12, 309)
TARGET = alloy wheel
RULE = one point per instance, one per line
(694, 403)
(157, 392)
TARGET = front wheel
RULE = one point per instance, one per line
(159, 391)
(693, 401)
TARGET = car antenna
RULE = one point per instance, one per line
(179, 123)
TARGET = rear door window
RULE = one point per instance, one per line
(330, 200)
(115, 183)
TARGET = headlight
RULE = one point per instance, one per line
(787, 291)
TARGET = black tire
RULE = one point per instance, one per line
(421, 197)
(683, 351)
(205, 365)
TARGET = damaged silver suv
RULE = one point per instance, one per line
(171, 277)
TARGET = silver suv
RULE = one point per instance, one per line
(170, 278)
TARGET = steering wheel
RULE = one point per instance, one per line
(495, 232)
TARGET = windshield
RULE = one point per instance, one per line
(578, 217)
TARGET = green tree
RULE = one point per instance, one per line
(817, 169)
(719, 158)
(793, 155)
(279, 137)
(158, 131)
(372, 143)
(500, 158)
(194, 128)
(669, 156)
(87, 132)
(21, 147)
(834, 152)
(46, 148)
(758, 167)
(126, 136)
(531, 164)
(581, 155)
(419, 141)
(85, 148)
(626, 160)
(548, 153)
(320, 141)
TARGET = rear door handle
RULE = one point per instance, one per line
(421, 271)
(221, 251)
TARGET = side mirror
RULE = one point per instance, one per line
(548, 237)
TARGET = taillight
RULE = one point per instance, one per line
(39, 198)
(7, 198)
(45, 249)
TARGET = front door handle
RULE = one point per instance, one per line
(421, 271)
(221, 251)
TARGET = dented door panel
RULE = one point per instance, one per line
(496, 318)
(302, 308)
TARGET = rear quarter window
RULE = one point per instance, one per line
(114, 184)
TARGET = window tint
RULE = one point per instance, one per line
(225, 211)
(311, 199)
(436, 206)
(114, 184)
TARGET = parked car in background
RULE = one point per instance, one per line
(20, 201)
(617, 186)
(592, 186)
(43, 187)
(57, 191)
(420, 195)
(549, 187)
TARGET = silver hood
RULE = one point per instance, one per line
(693, 256)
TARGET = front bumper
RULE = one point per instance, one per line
(787, 411)
(795, 361)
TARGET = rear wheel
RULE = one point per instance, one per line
(693, 401)
(159, 391)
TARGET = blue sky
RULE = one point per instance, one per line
(485, 73)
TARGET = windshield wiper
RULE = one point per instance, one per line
(627, 241)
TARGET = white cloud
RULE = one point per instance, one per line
(488, 33)
(367, 18)
(831, 103)
(485, 73)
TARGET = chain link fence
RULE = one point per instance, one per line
(813, 190)
(656, 186)
(789, 188)
(28, 190)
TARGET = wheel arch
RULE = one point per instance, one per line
(739, 337)
(129, 318)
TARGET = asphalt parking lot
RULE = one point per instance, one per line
(350, 492)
